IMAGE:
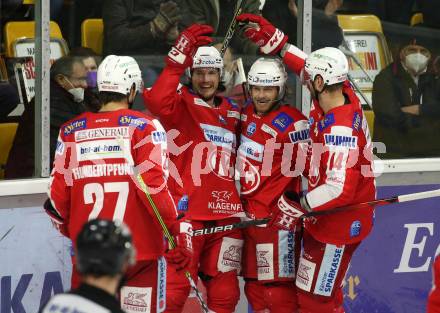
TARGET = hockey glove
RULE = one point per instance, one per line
(55, 217)
(169, 15)
(287, 212)
(181, 54)
(181, 255)
(269, 38)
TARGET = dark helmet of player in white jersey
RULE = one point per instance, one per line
(103, 247)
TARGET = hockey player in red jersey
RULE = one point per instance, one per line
(202, 128)
(434, 295)
(339, 173)
(97, 159)
(271, 135)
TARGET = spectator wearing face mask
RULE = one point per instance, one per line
(91, 61)
(68, 79)
(406, 103)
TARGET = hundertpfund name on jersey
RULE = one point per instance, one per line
(98, 170)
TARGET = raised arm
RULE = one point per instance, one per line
(163, 99)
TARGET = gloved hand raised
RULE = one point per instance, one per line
(168, 16)
(181, 54)
(269, 38)
(287, 212)
(181, 255)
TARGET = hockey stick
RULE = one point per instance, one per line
(170, 240)
(222, 228)
(395, 199)
(385, 201)
(232, 27)
(165, 230)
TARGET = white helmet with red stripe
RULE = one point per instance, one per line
(207, 56)
(330, 63)
(268, 72)
(118, 74)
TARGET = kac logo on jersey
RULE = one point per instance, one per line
(355, 229)
(356, 121)
(341, 141)
(328, 120)
(282, 121)
(75, 125)
(252, 127)
(130, 120)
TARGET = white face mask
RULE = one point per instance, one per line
(416, 62)
(77, 93)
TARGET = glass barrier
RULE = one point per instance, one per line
(17, 83)
(393, 51)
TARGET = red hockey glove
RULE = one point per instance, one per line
(181, 255)
(56, 219)
(181, 54)
(269, 38)
(287, 212)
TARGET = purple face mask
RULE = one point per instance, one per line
(91, 79)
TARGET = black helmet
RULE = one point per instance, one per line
(103, 247)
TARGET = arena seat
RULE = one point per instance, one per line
(364, 37)
(19, 45)
(8, 131)
(92, 34)
(353, 25)
(416, 19)
(20, 31)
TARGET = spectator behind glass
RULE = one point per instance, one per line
(325, 29)
(91, 61)
(406, 103)
(218, 14)
(134, 27)
(68, 79)
(8, 99)
(88, 56)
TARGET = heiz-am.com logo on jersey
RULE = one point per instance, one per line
(101, 149)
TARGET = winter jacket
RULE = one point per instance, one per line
(406, 135)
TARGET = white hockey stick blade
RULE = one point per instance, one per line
(419, 195)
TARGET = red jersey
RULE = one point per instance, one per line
(268, 157)
(202, 145)
(96, 161)
(340, 171)
(434, 296)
